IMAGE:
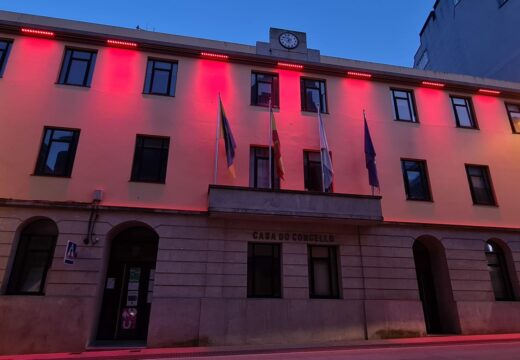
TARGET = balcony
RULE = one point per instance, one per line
(233, 200)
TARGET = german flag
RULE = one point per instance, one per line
(276, 147)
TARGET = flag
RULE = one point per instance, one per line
(326, 161)
(278, 163)
(370, 158)
(229, 140)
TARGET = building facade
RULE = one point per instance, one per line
(107, 142)
(477, 38)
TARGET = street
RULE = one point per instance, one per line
(484, 351)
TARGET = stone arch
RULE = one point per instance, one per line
(502, 270)
(433, 279)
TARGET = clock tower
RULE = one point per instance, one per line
(287, 44)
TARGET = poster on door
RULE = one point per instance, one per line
(129, 318)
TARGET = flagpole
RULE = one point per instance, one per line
(321, 150)
(270, 143)
(219, 112)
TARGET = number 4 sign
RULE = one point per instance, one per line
(70, 253)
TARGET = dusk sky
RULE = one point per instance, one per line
(383, 31)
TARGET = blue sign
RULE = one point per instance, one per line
(70, 253)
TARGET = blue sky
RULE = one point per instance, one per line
(383, 31)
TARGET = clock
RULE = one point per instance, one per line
(288, 40)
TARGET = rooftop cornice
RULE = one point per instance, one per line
(152, 42)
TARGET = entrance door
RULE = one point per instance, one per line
(426, 283)
(125, 311)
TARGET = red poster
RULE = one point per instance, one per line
(128, 318)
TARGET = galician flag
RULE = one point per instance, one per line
(229, 140)
(276, 148)
(326, 161)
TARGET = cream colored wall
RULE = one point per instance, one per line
(114, 110)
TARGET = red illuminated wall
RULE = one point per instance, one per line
(113, 110)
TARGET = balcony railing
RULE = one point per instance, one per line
(303, 204)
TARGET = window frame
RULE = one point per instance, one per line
(487, 180)
(306, 172)
(276, 278)
(324, 106)
(136, 175)
(333, 270)
(20, 260)
(425, 179)
(253, 168)
(67, 62)
(411, 107)
(505, 277)
(172, 77)
(4, 55)
(471, 111)
(507, 104)
(275, 89)
(41, 159)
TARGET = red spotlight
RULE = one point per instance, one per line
(214, 56)
(37, 32)
(489, 92)
(122, 43)
(290, 66)
(359, 75)
(433, 84)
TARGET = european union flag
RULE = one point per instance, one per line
(370, 158)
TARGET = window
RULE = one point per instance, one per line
(161, 77)
(259, 169)
(313, 92)
(57, 152)
(323, 272)
(150, 159)
(263, 270)
(77, 67)
(513, 110)
(264, 87)
(498, 272)
(5, 49)
(33, 258)
(312, 171)
(416, 182)
(404, 105)
(464, 114)
(480, 185)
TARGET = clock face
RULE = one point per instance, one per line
(288, 40)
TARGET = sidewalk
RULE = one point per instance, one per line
(144, 353)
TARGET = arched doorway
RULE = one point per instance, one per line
(440, 311)
(125, 310)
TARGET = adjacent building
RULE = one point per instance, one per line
(115, 229)
(478, 38)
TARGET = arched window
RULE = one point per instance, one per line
(33, 258)
(498, 271)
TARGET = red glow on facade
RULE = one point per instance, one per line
(359, 75)
(489, 92)
(122, 43)
(433, 84)
(290, 66)
(214, 56)
(37, 32)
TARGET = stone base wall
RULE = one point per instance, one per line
(200, 288)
